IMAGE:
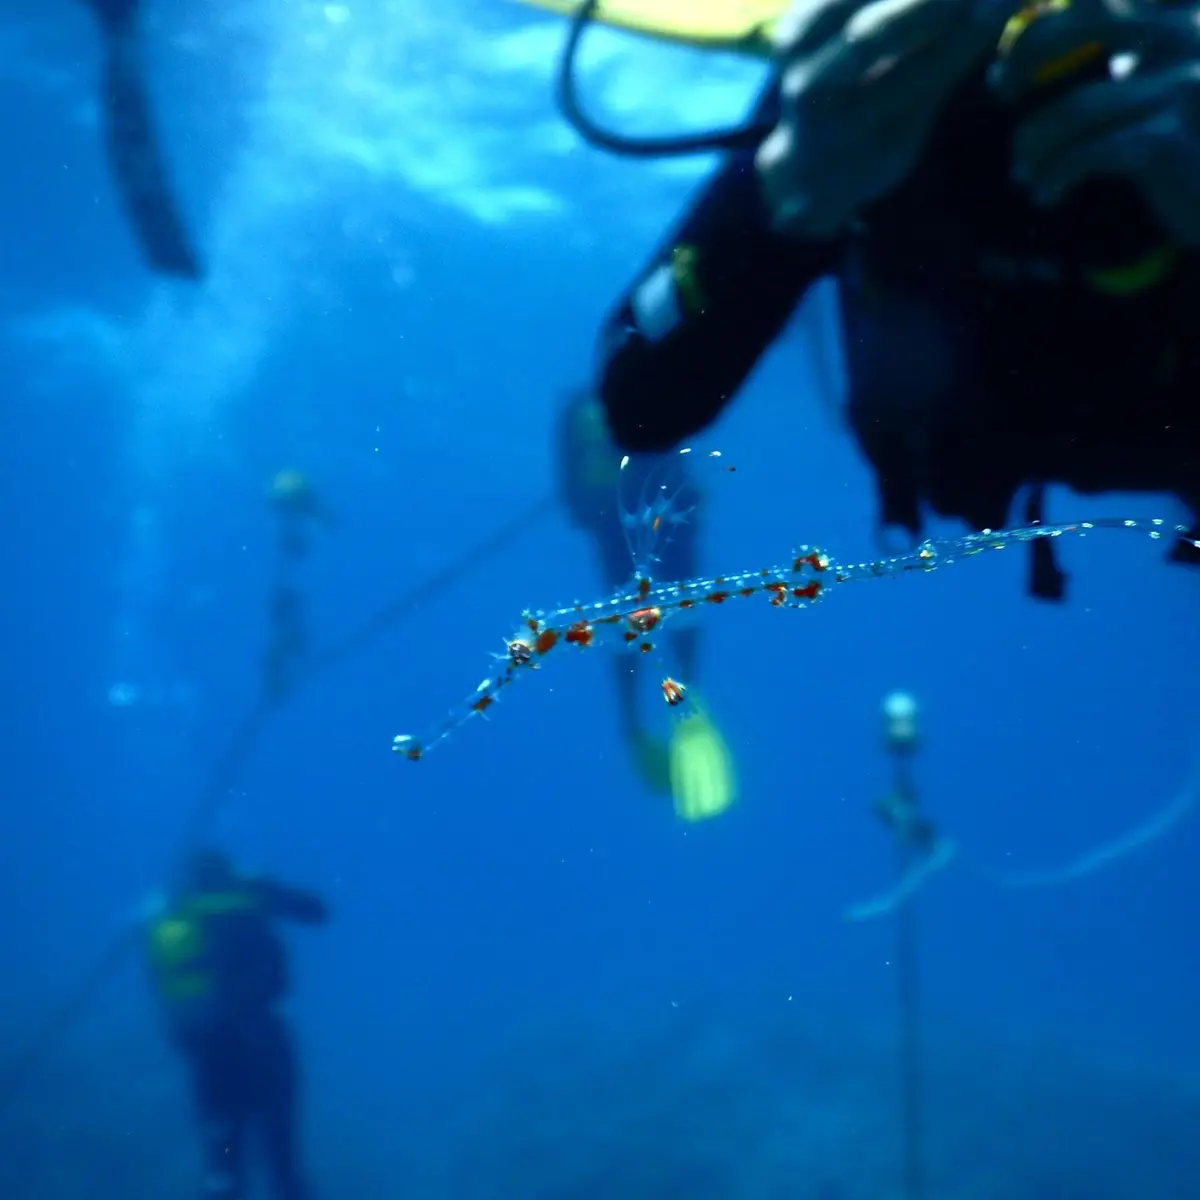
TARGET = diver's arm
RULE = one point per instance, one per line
(683, 341)
(290, 903)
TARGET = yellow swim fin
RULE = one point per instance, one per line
(742, 26)
(703, 773)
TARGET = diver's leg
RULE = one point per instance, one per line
(680, 560)
(685, 654)
(277, 1093)
(625, 683)
(616, 569)
(221, 1114)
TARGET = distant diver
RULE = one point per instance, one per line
(137, 164)
(299, 510)
(220, 970)
(921, 849)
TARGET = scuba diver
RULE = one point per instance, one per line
(695, 766)
(299, 510)
(921, 848)
(1011, 206)
(220, 970)
(898, 809)
(138, 169)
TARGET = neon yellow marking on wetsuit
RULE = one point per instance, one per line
(1141, 275)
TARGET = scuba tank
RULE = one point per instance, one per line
(178, 953)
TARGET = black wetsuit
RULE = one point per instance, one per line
(139, 171)
(221, 970)
(984, 354)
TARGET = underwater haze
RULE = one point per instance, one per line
(537, 981)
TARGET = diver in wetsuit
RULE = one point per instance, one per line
(694, 764)
(1015, 225)
(220, 970)
(138, 169)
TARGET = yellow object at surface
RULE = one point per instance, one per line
(741, 25)
(702, 770)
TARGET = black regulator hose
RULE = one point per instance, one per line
(739, 137)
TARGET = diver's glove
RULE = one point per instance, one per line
(1143, 124)
(862, 84)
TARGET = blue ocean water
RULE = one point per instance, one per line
(538, 982)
